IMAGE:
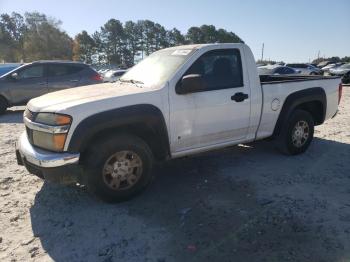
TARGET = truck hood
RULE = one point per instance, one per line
(61, 100)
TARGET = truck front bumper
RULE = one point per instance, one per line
(60, 168)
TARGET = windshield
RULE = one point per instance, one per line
(156, 69)
(7, 69)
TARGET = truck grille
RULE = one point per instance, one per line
(31, 116)
(30, 135)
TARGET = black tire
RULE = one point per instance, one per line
(299, 122)
(3, 105)
(313, 73)
(97, 158)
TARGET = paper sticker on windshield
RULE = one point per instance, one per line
(181, 52)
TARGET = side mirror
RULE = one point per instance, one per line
(190, 84)
(14, 76)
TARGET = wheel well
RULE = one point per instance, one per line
(315, 108)
(159, 149)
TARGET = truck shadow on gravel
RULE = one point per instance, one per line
(12, 117)
(211, 207)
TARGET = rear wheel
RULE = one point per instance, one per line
(118, 168)
(313, 73)
(297, 133)
(3, 105)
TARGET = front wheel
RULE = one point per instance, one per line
(117, 168)
(297, 133)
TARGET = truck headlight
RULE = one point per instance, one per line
(53, 119)
(49, 130)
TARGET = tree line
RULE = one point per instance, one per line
(334, 59)
(35, 36)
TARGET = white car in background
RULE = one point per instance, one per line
(331, 66)
(113, 75)
(343, 71)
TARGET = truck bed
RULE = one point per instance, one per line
(275, 90)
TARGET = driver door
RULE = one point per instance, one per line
(213, 115)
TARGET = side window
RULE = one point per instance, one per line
(63, 70)
(279, 70)
(220, 69)
(288, 71)
(73, 69)
(57, 70)
(32, 72)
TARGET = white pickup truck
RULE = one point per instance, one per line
(177, 102)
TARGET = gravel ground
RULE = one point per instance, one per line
(246, 203)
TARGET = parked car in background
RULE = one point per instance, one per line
(18, 86)
(5, 68)
(113, 75)
(277, 70)
(305, 69)
(324, 63)
(326, 69)
(343, 71)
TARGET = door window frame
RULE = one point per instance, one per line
(239, 52)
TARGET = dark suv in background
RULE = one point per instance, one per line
(20, 85)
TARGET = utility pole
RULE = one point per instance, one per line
(318, 54)
(262, 52)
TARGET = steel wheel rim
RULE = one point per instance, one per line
(300, 133)
(122, 170)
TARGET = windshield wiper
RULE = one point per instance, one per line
(135, 82)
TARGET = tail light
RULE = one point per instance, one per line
(96, 77)
(340, 92)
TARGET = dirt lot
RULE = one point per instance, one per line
(246, 203)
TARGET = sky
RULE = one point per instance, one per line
(291, 30)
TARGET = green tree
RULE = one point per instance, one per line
(209, 34)
(12, 30)
(44, 39)
(113, 39)
(84, 47)
(174, 37)
(133, 44)
(195, 35)
(227, 37)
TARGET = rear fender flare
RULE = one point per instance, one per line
(298, 98)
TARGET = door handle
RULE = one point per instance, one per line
(239, 97)
(42, 83)
(74, 80)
